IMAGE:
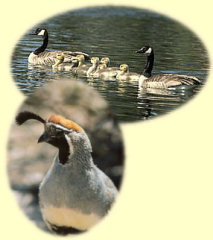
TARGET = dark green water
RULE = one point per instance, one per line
(118, 32)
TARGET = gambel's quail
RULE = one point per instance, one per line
(75, 194)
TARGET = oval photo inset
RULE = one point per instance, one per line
(144, 63)
(69, 181)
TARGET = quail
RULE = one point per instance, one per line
(75, 194)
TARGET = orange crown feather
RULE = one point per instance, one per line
(57, 119)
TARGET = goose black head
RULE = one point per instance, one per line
(40, 32)
(145, 50)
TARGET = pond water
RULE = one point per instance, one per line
(117, 32)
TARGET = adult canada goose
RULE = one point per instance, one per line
(161, 80)
(124, 74)
(81, 67)
(61, 66)
(42, 57)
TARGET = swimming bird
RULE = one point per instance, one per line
(107, 73)
(161, 80)
(81, 67)
(42, 57)
(75, 194)
(93, 68)
(124, 74)
(104, 63)
(61, 65)
(102, 72)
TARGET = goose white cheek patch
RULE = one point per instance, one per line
(41, 33)
(148, 51)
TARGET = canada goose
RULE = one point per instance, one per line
(108, 73)
(42, 57)
(161, 80)
(104, 63)
(93, 68)
(124, 74)
(81, 68)
(61, 66)
(103, 72)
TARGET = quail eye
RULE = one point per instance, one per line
(58, 131)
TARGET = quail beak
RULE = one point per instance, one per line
(44, 138)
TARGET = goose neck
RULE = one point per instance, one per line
(149, 65)
(80, 63)
(43, 46)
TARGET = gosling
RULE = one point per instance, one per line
(102, 71)
(91, 71)
(125, 75)
(60, 65)
(82, 67)
(104, 63)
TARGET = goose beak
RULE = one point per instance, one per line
(32, 33)
(140, 51)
